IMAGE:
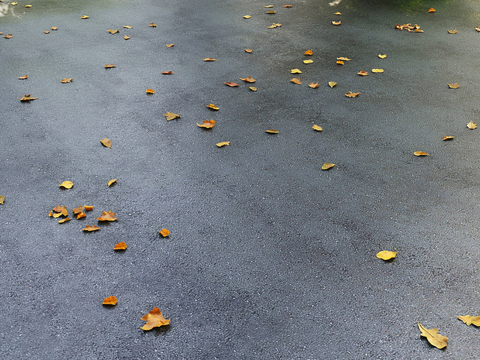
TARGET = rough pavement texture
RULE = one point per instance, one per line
(269, 257)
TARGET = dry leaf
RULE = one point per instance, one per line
(46, 32)
(28, 6)
(274, 25)
(61, 210)
(431, 10)
(352, 94)
(247, 16)
(167, 72)
(433, 337)
(448, 137)
(111, 300)
(476, 28)
(296, 81)
(64, 220)
(471, 125)
(27, 98)
(111, 31)
(253, 88)
(81, 215)
(336, 23)
(272, 131)
(313, 85)
(248, 79)
(340, 62)
(107, 216)
(308, 61)
(169, 45)
(271, 12)
(91, 228)
(2, 199)
(152, 25)
(377, 71)
(287, 6)
(420, 153)
(106, 142)
(14, 3)
(88, 207)
(23, 77)
(452, 31)
(327, 166)
(171, 116)
(120, 246)
(110, 66)
(150, 91)
(85, 17)
(332, 84)
(469, 320)
(8, 36)
(77, 210)
(382, 56)
(213, 107)
(343, 58)
(386, 255)
(207, 124)
(454, 86)
(66, 185)
(209, 59)
(154, 319)
(164, 232)
(248, 51)
(126, 37)
(337, 13)
(65, 80)
(111, 182)
(317, 128)
(127, 26)
(224, 143)
(362, 73)
(231, 84)
(268, 6)
(308, 53)
(295, 71)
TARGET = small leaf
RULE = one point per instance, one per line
(308, 53)
(85, 17)
(268, 6)
(126, 37)
(171, 116)
(64, 220)
(340, 62)
(150, 91)
(327, 166)
(313, 85)
(448, 137)
(332, 84)
(121, 246)
(337, 13)
(248, 51)
(169, 45)
(28, 6)
(91, 228)
(376, 71)
(107, 216)
(112, 31)
(213, 107)
(77, 210)
(65, 80)
(454, 86)
(352, 94)
(248, 79)
(46, 32)
(152, 25)
(287, 6)
(207, 124)
(247, 16)
(471, 125)
(476, 28)
(274, 25)
(88, 207)
(23, 77)
(431, 10)
(295, 71)
(469, 320)
(209, 59)
(271, 12)
(433, 337)
(167, 72)
(111, 300)
(272, 131)
(111, 182)
(106, 142)
(296, 81)
(154, 319)
(231, 84)
(253, 88)
(2, 199)
(452, 31)
(164, 232)
(343, 58)
(27, 98)
(127, 27)
(336, 23)
(308, 61)
(66, 185)
(81, 215)
(110, 66)
(362, 73)
(382, 56)
(8, 36)
(420, 153)
(222, 144)
(317, 128)
(386, 255)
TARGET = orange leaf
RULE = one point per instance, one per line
(150, 91)
(272, 131)
(28, 98)
(170, 45)
(91, 228)
(46, 32)
(65, 80)
(287, 6)
(340, 62)
(336, 23)
(207, 124)
(363, 73)
(111, 31)
(231, 84)
(213, 107)
(476, 28)
(308, 52)
(448, 137)
(81, 215)
(110, 66)
(171, 116)
(107, 216)
(164, 232)
(23, 77)
(154, 319)
(352, 94)
(111, 300)
(209, 59)
(8, 36)
(248, 79)
(120, 246)
(126, 37)
(420, 153)
(167, 72)
(152, 25)
(88, 207)
(296, 81)
(248, 51)
(78, 210)
(106, 142)
(431, 10)
(313, 85)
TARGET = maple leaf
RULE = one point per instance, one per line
(154, 319)
(248, 79)
(121, 246)
(171, 116)
(469, 320)
(471, 125)
(213, 107)
(296, 81)
(420, 153)
(66, 185)
(164, 232)
(23, 77)
(327, 166)
(150, 91)
(433, 337)
(107, 216)
(27, 98)
(231, 84)
(386, 255)
(272, 131)
(111, 300)
(65, 80)
(111, 182)
(224, 143)
(207, 124)
(106, 142)
(352, 94)
(91, 228)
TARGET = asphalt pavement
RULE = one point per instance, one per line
(269, 256)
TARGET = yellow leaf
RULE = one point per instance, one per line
(248, 51)
(27, 98)
(420, 153)
(23, 77)
(169, 45)
(111, 182)
(377, 70)
(317, 128)
(327, 166)
(386, 255)
(46, 32)
(272, 131)
(64, 220)
(171, 116)
(127, 26)
(152, 25)
(209, 59)
(448, 137)
(66, 185)
(296, 71)
(106, 142)
(247, 16)
(224, 143)
(213, 107)
(433, 337)
(65, 80)
(363, 73)
(471, 125)
(336, 23)
(126, 37)
(296, 81)
(112, 31)
(111, 300)
(91, 228)
(248, 79)
(452, 31)
(382, 56)
(274, 25)
(85, 17)
(2, 199)
(337, 13)
(343, 58)
(207, 124)
(154, 319)
(469, 320)
(332, 84)
(313, 85)
(28, 6)
(253, 88)
(352, 94)
(268, 6)
(271, 12)
(454, 86)
(308, 61)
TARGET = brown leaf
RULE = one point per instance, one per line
(106, 142)
(164, 232)
(272, 131)
(213, 107)
(65, 80)
(27, 98)
(453, 86)
(209, 59)
(23, 77)
(313, 85)
(363, 73)
(268, 6)
(231, 84)
(110, 66)
(420, 153)
(433, 337)
(248, 51)
(60, 211)
(171, 116)
(336, 23)
(152, 25)
(154, 319)
(77, 210)
(469, 320)
(352, 94)
(207, 124)
(111, 182)
(91, 228)
(107, 216)
(111, 300)
(327, 166)
(248, 79)
(287, 6)
(121, 246)
(448, 137)
(111, 31)
(471, 125)
(167, 72)
(308, 53)
(296, 81)
(8, 36)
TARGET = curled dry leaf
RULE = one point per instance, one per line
(213, 107)
(224, 143)
(308, 53)
(274, 25)
(272, 131)
(382, 56)
(152, 25)
(336, 23)
(248, 79)
(28, 6)
(107, 216)
(112, 31)
(476, 28)
(60, 211)
(54, 28)
(471, 125)
(64, 220)
(8, 36)
(65, 80)
(340, 62)
(287, 6)
(317, 128)
(420, 153)
(308, 61)
(106, 142)
(2, 199)
(110, 66)
(169, 45)
(167, 72)
(253, 88)
(164, 232)
(469, 320)
(386, 255)
(268, 6)
(207, 124)
(154, 319)
(343, 58)
(14, 3)
(126, 37)
(332, 84)
(209, 59)
(171, 116)
(452, 31)
(120, 246)
(88, 207)
(46, 32)
(338, 13)
(150, 91)
(454, 86)
(23, 77)
(313, 85)
(81, 215)
(431, 10)
(231, 84)
(448, 137)
(91, 228)
(327, 166)
(363, 73)
(248, 51)
(271, 12)
(127, 27)
(78, 210)
(433, 337)
(85, 17)
(66, 185)
(296, 81)
(352, 94)
(247, 16)
(27, 98)
(111, 300)
(377, 71)
(111, 182)
(296, 71)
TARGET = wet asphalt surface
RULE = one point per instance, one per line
(269, 257)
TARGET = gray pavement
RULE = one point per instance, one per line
(269, 257)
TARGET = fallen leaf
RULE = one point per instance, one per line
(111, 300)
(431, 10)
(308, 61)
(81, 215)
(296, 81)
(64, 220)
(452, 31)
(164, 232)
(268, 6)
(386, 255)
(296, 71)
(207, 124)
(111, 182)
(248, 79)
(448, 137)
(88, 207)
(60, 210)
(28, 6)
(332, 84)
(377, 71)
(46, 32)
(14, 3)
(65, 80)
(91, 228)
(343, 58)
(469, 320)
(317, 128)
(253, 88)
(272, 131)
(308, 53)
(2, 199)
(271, 12)
(127, 26)
(8, 36)
(433, 337)
(224, 143)
(337, 13)
(169, 45)
(287, 6)
(120, 246)
(150, 91)
(110, 66)
(454, 86)
(362, 73)
(248, 51)
(420, 153)
(107, 216)
(154, 319)
(106, 142)
(85, 17)
(340, 62)
(471, 125)
(171, 116)
(23, 77)
(28, 98)
(66, 185)
(213, 107)
(352, 94)
(313, 85)
(126, 37)
(382, 56)
(476, 28)
(419, 31)
(111, 31)
(231, 84)
(327, 166)
(247, 16)
(152, 25)
(209, 59)
(167, 72)
(336, 23)
(274, 25)
(77, 210)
